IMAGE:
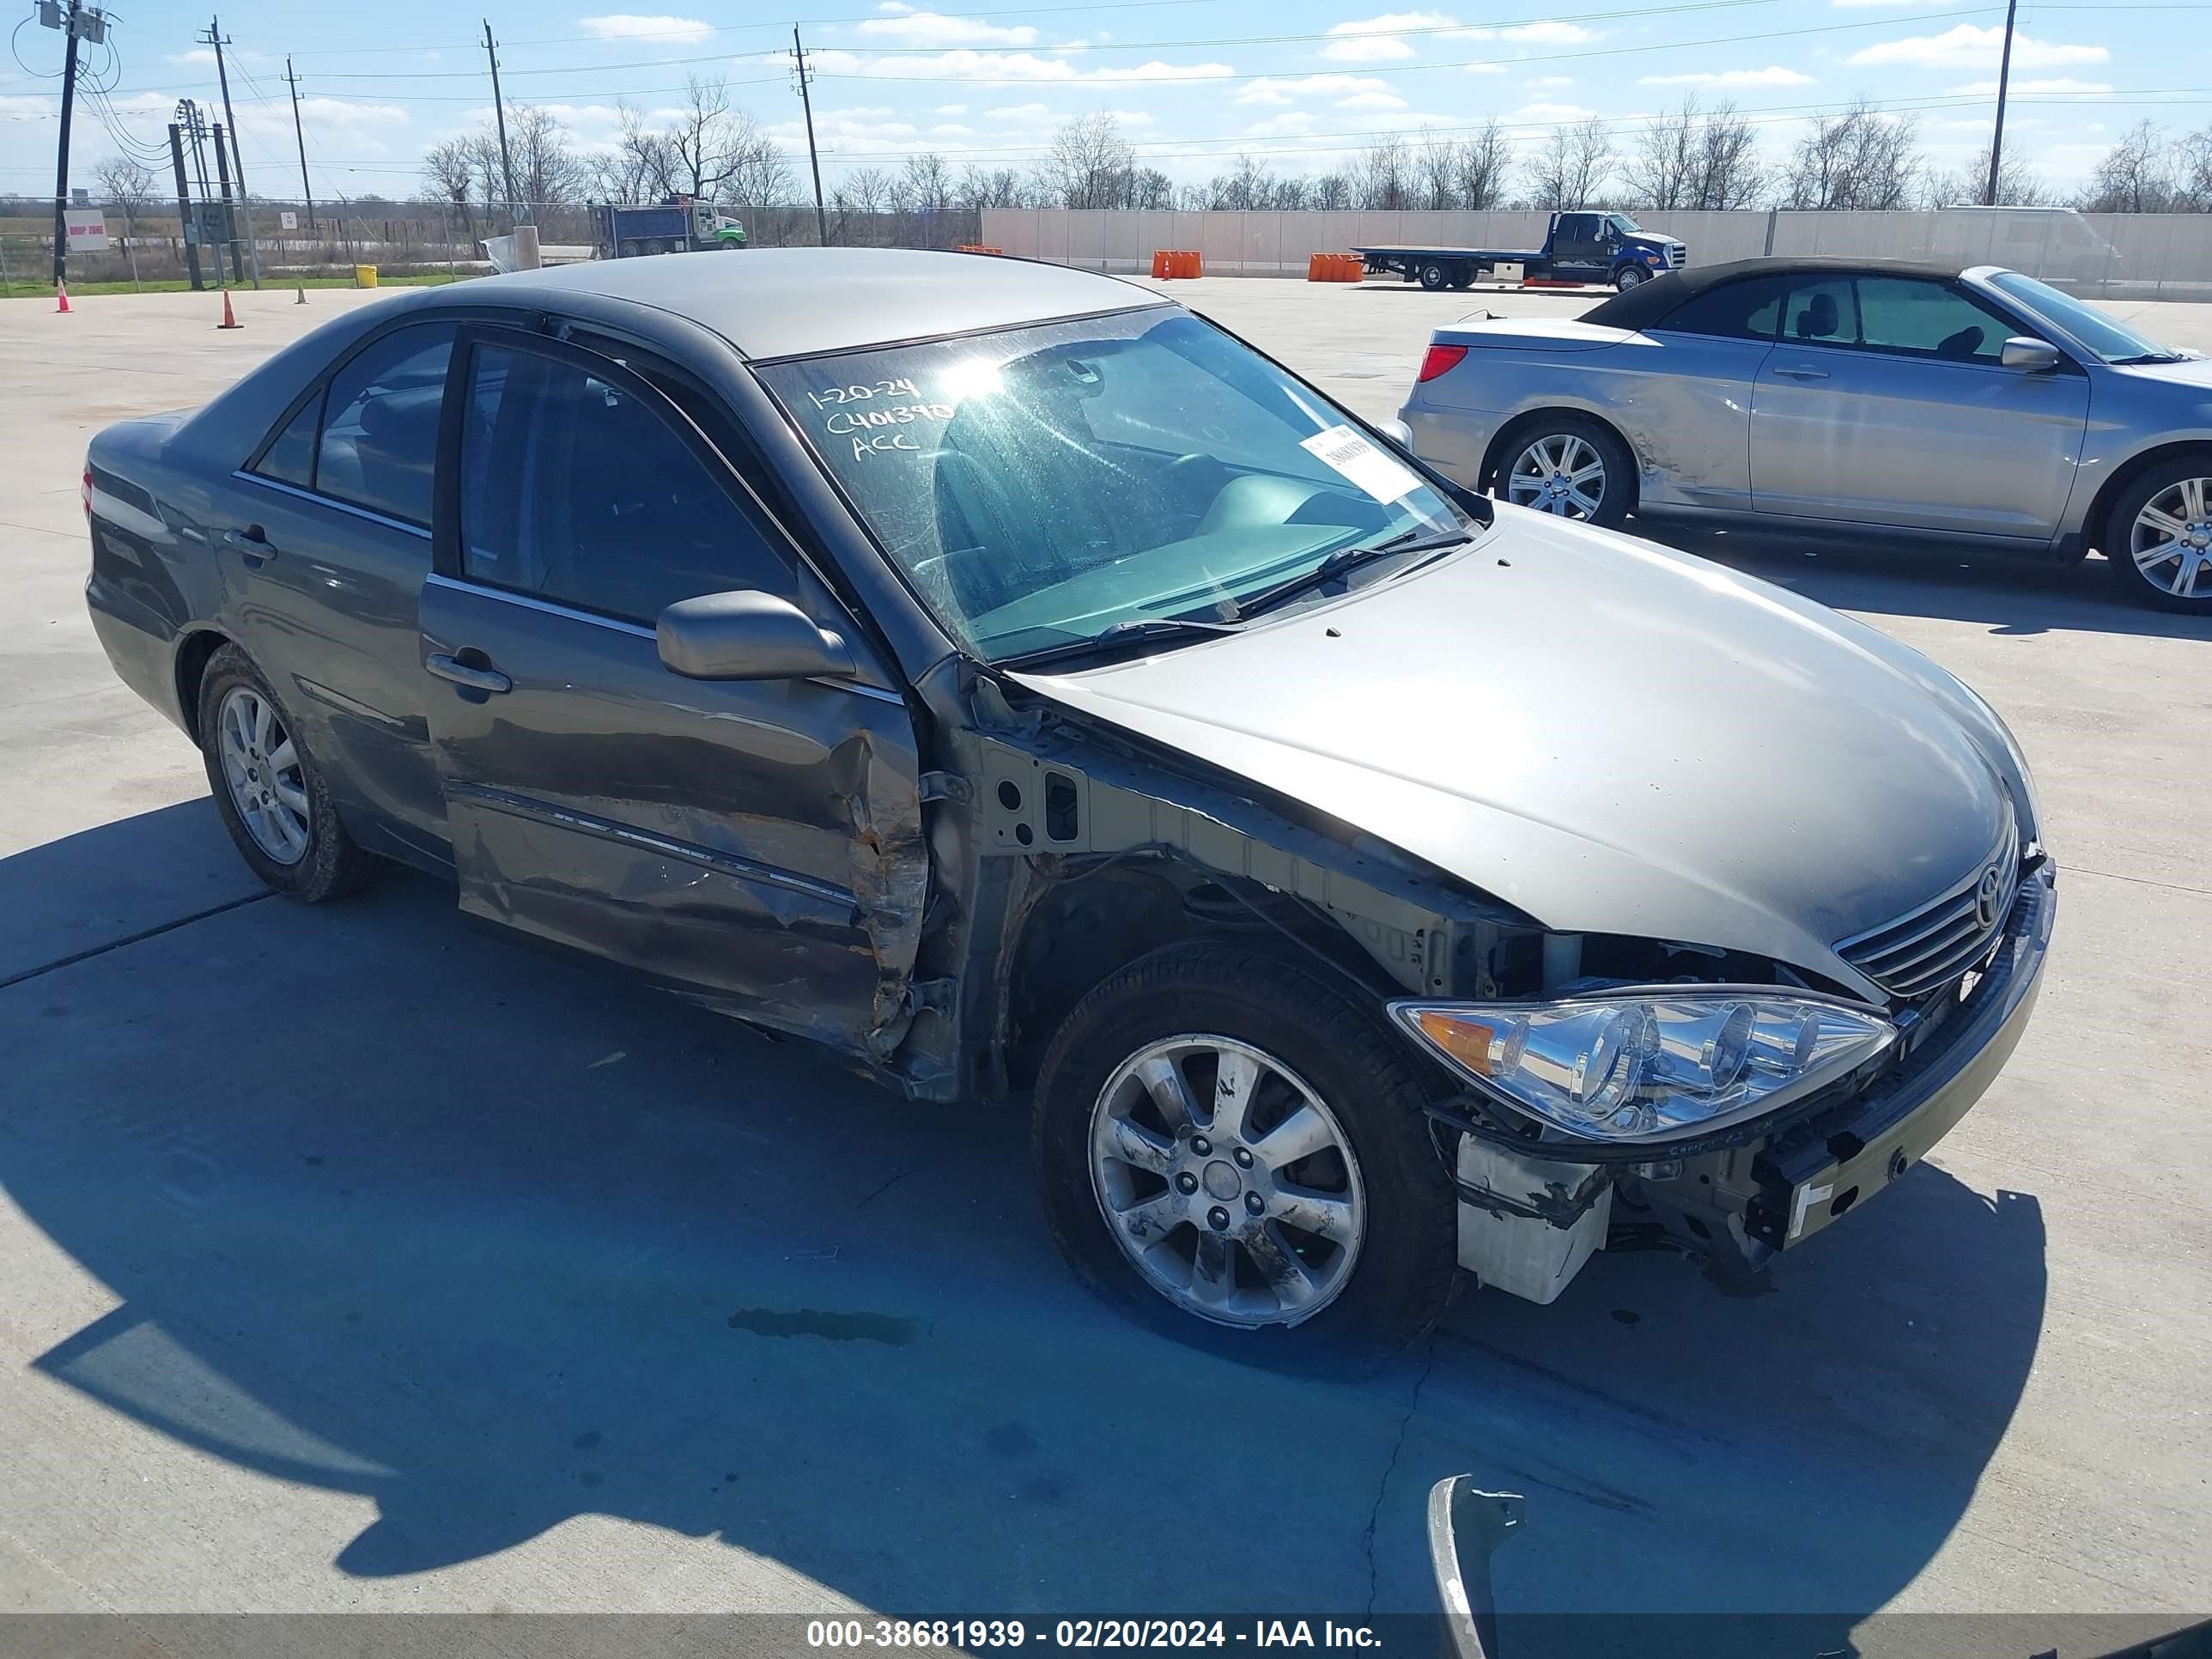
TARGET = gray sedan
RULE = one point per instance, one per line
(1931, 405)
(1004, 678)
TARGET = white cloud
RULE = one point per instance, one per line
(2062, 84)
(1282, 89)
(1493, 69)
(933, 28)
(1289, 125)
(1371, 100)
(197, 55)
(1537, 114)
(1020, 112)
(1554, 80)
(1131, 117)
(952, 129)
(963, 64)
(1773, 76)
(626, 25)
(1548, 35)
(949, 109)
(1967, 47)
(1378, 40)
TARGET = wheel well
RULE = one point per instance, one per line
(1089, 927)
(192, 665)
(1521, 425)
(2108, 495)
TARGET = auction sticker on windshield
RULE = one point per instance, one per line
(1345, 451)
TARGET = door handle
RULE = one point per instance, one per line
(461, 674)
(1802, 371)
(252, 542)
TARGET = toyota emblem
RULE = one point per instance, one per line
(1985, 895)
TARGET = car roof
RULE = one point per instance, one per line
(802, 301)
(1649, 304)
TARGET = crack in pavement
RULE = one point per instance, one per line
(138, 938)
(1383, 1486)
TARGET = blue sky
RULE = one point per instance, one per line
(1301, 82)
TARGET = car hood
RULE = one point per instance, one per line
(1611, 736)
(2194, 373)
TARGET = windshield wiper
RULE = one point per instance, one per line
(2150, 357)
(1343, 560)
(1137, 630)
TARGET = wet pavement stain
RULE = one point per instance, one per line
(831, 1326)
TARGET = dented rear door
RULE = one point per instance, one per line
(755, 843)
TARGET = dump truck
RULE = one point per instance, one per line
(678, 225)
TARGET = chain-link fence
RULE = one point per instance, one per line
(150, 247)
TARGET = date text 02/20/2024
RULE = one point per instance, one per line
(1078, 1633)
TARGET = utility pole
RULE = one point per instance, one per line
(299, 137)
(499, 113)
(78, 22)
(184, 204)
(821, 221)
(229, 214)
(1997, 138)
(214, 37)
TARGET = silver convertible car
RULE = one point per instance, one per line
(1904, 403)
(1013, 683)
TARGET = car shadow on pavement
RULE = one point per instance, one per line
(2011, 596)
(396, 1209)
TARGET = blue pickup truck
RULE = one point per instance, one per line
(1579, 247)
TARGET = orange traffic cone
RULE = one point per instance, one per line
(228, 321)
(61, 293)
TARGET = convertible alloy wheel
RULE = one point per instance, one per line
(1227, 1181)
(262, 767)
(2171, 541)
(1561, 472)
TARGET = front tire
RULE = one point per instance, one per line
(1231, 1150)
(1630, 276)
(1571, 466)
(270, 791)
(2159, 540)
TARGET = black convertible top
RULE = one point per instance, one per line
(1648, 303)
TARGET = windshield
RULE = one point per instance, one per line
(2099, 331)
(1623, 223)
(1042, 485)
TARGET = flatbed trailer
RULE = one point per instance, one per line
(1609, 248)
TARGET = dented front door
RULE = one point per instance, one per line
(756, 843)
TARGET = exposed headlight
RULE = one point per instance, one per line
(1658, 1063)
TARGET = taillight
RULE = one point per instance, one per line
(1441, 360)
(87, 490)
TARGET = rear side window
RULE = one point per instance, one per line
(369, 438)
(579, 489)
(1736, 311)
(1824, 313)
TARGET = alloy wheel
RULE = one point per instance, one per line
(261, 764)
(1227, 1181)
(2171, 542)
(1562, 474)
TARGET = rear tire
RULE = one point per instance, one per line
(1378, 1277)
(1569, 466)
(269, 789)
(2159, 539)
(1434, 277)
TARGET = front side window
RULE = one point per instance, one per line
(576, 487)
(1928, 319)
(1041, 485)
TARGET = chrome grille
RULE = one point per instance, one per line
(1677, 256)
(1929, 948)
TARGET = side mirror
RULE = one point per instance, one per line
(748, 636)
(2026, 352)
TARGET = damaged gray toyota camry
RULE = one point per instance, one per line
(1019, 685)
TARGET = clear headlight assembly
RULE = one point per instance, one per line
(1653, 1063)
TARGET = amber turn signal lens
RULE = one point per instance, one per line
(1464, 1040)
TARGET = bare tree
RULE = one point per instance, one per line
(1571, 168)
(1483, 159)
(1729, 172)
(1090, 164)
(1332, 192)
(1860, 158)
(449, 174)
(1151, 189)
(2194, 190)
(926, 184)
(1384, 176)
(548, 172)
(1436, 170)
(1661, 170)
(125, 185)
(757, 171)
(642, 166)
(865, 189)
(2016, 186)
(1247, 186)
(2136, 175)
